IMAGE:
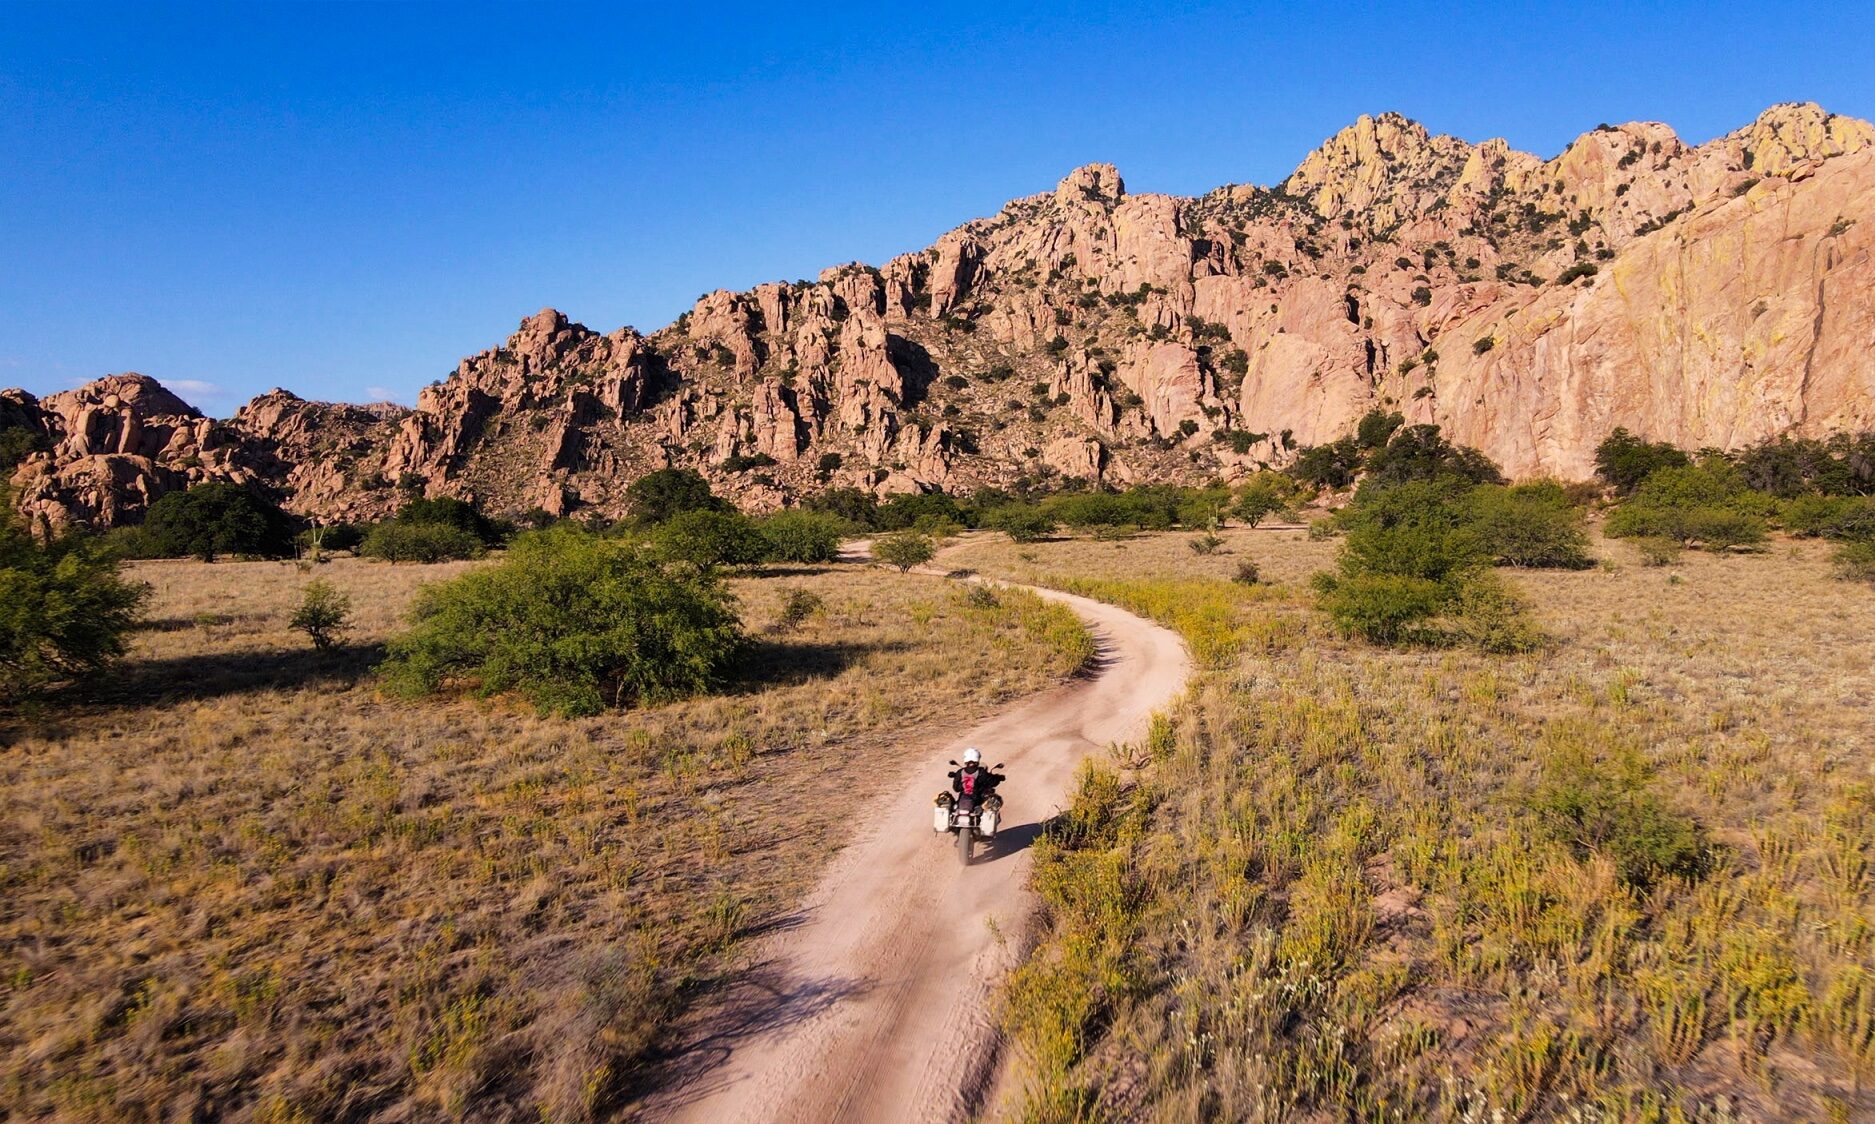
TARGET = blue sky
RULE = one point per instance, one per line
(343, 199)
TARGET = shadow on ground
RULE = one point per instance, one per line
(216, 674)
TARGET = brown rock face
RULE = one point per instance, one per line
(1715, 294)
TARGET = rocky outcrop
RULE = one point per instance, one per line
(1711, 294)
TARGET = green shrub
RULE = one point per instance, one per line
(803, 536)
(1489, 617)
(65, 611)
(1830, 517)
(1247, 572)
(1257, 502)
(1376, 427)
(658, 496)
(448, 511)
(1528, 525)
(1380, 608)
(1021, 522)
(574, 623)
(1705, 503)
(859, 509)
(1421, 452)
(1206, 544)
(1607, 807)
(1657, 550)
(1625, 460)
(1328, 466)
(332, 537)
(901, 512)
(796, 606)
(321, 615)
(1417, 529)
(1855, 561)
(215, 519)
(711, 538)
(420, 542)
(904, 549)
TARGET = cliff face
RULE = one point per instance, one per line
(1709, 295)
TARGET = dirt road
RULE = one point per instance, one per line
(874, 1003)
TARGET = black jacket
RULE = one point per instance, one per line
(986, 782)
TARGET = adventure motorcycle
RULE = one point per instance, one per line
(968, 816)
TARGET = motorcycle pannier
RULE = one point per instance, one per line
(941, 815)
(986, 824)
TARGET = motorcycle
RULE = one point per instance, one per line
(968, 817)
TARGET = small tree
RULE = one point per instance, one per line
(660, 496)
(420, 542)
(802, 536)
(322, 614)
(1020, 521)
(711, 538)
(903, 549)
(1625, 460)
(64, 609)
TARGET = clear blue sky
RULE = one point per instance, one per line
(343, 199)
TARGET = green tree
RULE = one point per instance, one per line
(574, 623)
(448, 511)
(1022, 522)
(659, 496)
(65, 611)
(215, 519)
(803, 536)
(420, 542)
(711, 538)
(1625, 460)
(1421, 452)
(904, 549)
(859, 509)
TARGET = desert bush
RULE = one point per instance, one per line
(1830, 517)
(1247, 572)
(210, 520)
(859, 509)
(1657, 550)
(1333, 465)
(904, 549)
(1604, 804)
(1855, 561)
(1421, 452)
(1376, 427)
(903, 512)
(1380, 608)
(1528, 525)
(711, 538)
(572, 622)
(322, 614)
(657, 497)
(420, 542)
(1841, 465)
(1489, 617)
(1203, 507)
(1021, 522)
(1267, 494)
(448, 511)
(1417, 529)
(1206, 544)
(803, 536)
(1625, 460)
(1706, 503)
(65, 611)
(797, 605)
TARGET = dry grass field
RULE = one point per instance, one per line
(1332, 889)
(237, 883)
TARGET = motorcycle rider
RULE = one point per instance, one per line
(973, 779)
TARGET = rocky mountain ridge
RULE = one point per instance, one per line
(1708, 295)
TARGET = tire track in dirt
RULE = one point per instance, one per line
(874, 1001)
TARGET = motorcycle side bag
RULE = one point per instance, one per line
(992, 815)
(941, 814)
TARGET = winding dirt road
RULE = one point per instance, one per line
(874, 1002)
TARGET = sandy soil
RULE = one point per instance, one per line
(873, 1001)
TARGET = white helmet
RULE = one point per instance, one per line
(973, 756)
